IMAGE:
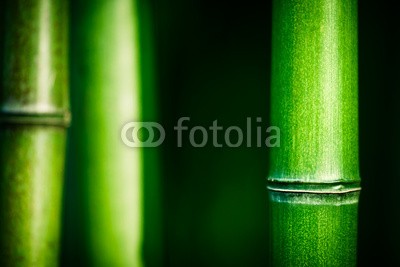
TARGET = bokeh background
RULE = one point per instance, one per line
(210, 60)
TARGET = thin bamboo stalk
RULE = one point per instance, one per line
(33, 116)
(314, 175)
(106, 83)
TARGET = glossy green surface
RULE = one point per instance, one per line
(34, 78)
(314, 229)
(314, 101)
(31, 175)
(33, 100)
(106, 90)
(314, 91)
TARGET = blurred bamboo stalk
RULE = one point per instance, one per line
(314, 177)
(33, 116)
(106, 90)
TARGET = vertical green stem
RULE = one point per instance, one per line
(314, 176)
(106, 93)
(33, 117)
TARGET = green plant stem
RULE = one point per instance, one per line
(106, 93)
(33, 117)
(314, 175)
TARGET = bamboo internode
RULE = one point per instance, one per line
(34, 111)
(314, 176)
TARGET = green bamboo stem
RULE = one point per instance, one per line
(33, 117)
(106, 89)
(314, 175)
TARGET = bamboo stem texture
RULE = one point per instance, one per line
(33, 116)
(314, 176)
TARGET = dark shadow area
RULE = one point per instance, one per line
(214, 64)
(379, 87)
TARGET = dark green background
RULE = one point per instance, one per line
(379, 87)
(209, 206)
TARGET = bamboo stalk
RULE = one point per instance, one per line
(314, 175)
(33, 116)
(106, 89)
